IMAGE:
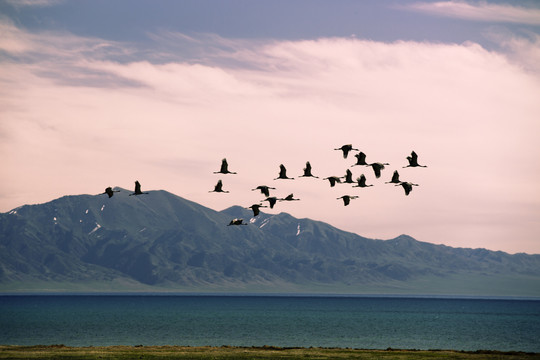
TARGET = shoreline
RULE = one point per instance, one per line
(269, 294)
(240, 352)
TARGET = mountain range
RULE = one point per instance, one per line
(163, 242)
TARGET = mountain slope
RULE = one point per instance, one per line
(162, 240)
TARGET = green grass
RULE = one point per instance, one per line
(230, 352)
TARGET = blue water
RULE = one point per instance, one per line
(356, 322)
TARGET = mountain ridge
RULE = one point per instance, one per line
(165, 242)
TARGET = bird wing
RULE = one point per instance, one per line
(255, 209)
(410, 160)
(224, 166)
(219, 186)
(414, 159)
(362, 180)
(361, 158)
(407, 187)
(137, 187)
(377, 169)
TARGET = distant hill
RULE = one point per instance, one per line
(162, 242)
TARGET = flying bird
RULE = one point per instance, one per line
(283, 173)
(347, 199)
(289, 197)
(360, 159)
(224, 168)
(413, 161)
(362, 182)
(348, 177)
(271, 200)
(346, 148)
(255, 208)
(237, 222)
(109, 191)
(138, 189)
(307, 171)
(264, 189)
(219, 187)
(395, 178)
(377, 167)
(407, 186)
(333, 180)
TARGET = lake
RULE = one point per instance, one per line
(367, 322)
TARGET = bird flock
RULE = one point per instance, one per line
(360, 182)
(110, 192)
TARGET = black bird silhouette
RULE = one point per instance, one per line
(237, 222)
(348, 177)
(271, 200)
(360, 159)
(395, 178)
(307, 171)
(377, 167)
(255, 208)
(362, 182)
(346, 148)
(347, 199)
(219, 187)
(289, 197)
(264, 189)
(138, 189)
(109, 191)
(413, 161)
(407, 186)
(333, 180)
(224, 168)
(283, 173)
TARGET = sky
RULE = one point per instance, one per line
(98, 93)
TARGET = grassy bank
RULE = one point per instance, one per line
(229, 352)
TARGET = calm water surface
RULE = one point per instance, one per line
(357, 322)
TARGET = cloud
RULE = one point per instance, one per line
(471, 115)
(27, 46)
(480, 11)
(62, 56)
(35, 3)
(522, 50)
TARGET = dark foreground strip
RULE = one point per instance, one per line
(236, 352)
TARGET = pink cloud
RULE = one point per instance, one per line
(470, 114)
(480, 11)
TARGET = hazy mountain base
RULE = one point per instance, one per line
(454, 285)
(161, 242)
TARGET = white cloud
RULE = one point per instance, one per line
(60, 47)
(480, 11)
(36, 3)
(524, 51)
(470, 113)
